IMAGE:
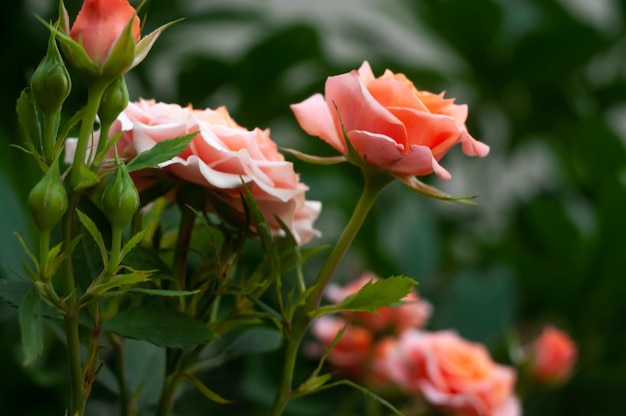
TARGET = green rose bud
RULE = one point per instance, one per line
(51, 83)
(114, 101)
(120, 199)
(48, 199)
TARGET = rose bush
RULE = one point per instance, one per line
(552, 355)
(453, 374)
(391, 124)
(218, 158)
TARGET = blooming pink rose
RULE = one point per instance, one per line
(553, 355)
(351, 354)
(99, 25)
(453, 374)
(391, 124)
(413, 313)
(220, 156)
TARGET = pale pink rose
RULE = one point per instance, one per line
(351, 354)
(413, 313)
(553, 355)
(100, 23)
(219, 157)
(391, 124)
(453, 374)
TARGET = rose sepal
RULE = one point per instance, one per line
(422, 188)
(316, 160)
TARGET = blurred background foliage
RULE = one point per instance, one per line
(545, 81)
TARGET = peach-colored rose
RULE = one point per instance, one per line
(453, 374)
(413, 313)
(391, 124)
(553, 355)
(220, 156)
(99, 25)
(351, 354)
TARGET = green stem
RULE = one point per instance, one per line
(167, 395)
(118, 348)
(49, 133)
(284, 388)
(44, 249)
(94, 96)
(374, 183)
(71, 316)
(185, 229)
(116, 244)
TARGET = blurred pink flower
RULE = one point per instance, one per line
(452, 373)
(351, 354)
(391, 124)
(553, 355)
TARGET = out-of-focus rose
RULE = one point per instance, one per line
(413, 313)
(391, 124)
(219, 157)
(453, 374)
(100, 24)
(351, 354)
(553, 355)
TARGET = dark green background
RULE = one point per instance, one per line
(545, 81)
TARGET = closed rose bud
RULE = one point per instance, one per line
(48, 200)
(114, 101)
(51, 83)
(553, 356)
(120, 199)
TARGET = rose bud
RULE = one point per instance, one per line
(120, 199)
(51, 83)
(48, 200)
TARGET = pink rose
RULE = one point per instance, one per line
(100, 24)
(453, 374)
(391, 124)
(413, 313)
(220, 156)
(351, 354)
(553, 355)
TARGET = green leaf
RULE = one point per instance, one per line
(87, 178)
(130, 244)
(31, 325)
(95, 234)
(317, 160)
(383, 292)
(208, 393)
(163, 292)
(160, 152)
(263, 229)
(159, 325)
(313, 383)
(29, 122)
(14, 291)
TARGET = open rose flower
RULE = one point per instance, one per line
(453, 374)
(412, 313)
(391, 124)
(553, 355)
(219, 157)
